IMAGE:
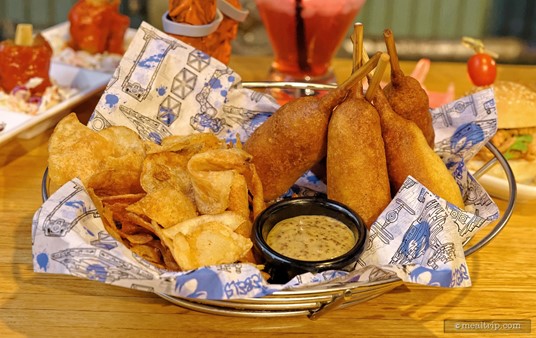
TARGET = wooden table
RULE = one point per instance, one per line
(32, 304)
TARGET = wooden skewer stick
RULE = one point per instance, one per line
(365, 58)
(337, 95)
(370, 75)
(391, 49)
(374, 83)
(24, 35)
(357, 60)
(360, 73)
(357, 39)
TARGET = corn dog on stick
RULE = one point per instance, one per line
(356, 163)
(405, 94)
(294, 138)
(408, 154)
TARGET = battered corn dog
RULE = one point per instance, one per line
(293, 139)
(408, 153)
(406, 96)
(356, 165)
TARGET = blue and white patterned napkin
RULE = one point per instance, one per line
(164, 87)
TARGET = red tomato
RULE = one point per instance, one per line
(482, 69)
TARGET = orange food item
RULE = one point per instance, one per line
(21, 63)
(193, 12)
(203, 12)
(226, 32)
(97, 26)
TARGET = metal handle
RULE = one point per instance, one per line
(335, 303)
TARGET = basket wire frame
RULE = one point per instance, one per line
(315, 301)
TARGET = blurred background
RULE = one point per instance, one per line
(422, 28)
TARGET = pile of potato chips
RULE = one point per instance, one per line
(182, 204)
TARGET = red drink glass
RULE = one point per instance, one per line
(305, 35)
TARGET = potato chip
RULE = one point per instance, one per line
(212, 173)
(128, 148)
(183, 204)
(106, 216)
(169, 260)
(209, 244)
(142, 221)
(220, 159)
(167, 257)
(231, 220)
(122, 199)
(190, 145)
(255, 190)
(148, 252)
(132, 162)
(124, 141)
(159, 231)
(115, 182)
(238, 196)
(166, 206)
(75, 151)
(125, 225)
(140, 238)
(165, 169)
(118, 221)
(212, 190)
(151, 147)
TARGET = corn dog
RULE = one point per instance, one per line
(408, 153)
(293, 139)
(406, 96)
(356, 165)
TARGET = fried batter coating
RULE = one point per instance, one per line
(409, 100)
(356, 165)
(409, 155)
(406, 96)
(289, 143)
(294, 138)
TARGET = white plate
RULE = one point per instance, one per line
(58, 37)
(86, 82)
(498, 186)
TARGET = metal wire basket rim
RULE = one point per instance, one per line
(319, 86)
(312, 307)
(315, 296)
(188, 304)
(287, 85)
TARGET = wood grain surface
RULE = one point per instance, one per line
(45, 305)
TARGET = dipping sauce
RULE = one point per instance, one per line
(311, 238)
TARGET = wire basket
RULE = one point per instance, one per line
(316, 300)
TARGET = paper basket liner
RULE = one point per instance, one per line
(164, 87)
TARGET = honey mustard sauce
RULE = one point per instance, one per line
(311, 238)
